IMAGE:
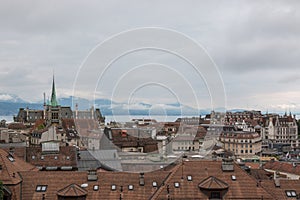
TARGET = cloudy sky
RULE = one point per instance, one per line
(254, 44)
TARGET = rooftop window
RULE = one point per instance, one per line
(42, 157)
(130, 187)
(96, 187)
(41, 188)
(176, 184)
(10, 158)
(113, 187)
(189, 178)
(233, 177)
(154, 184)
(291, 193)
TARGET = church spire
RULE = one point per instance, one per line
(53, 95)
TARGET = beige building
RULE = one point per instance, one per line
(241, 143)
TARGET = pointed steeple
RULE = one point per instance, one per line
(53, 95)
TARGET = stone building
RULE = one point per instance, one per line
(241, 143)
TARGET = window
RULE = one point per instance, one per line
(291, 193)
(55, 157)
(130, 187)
(42, 157)
(242, 151)
(10, 158)
(113, 187)
(32, 157)
(154, 184)
(176, 184)
(233, 177)
(250, 150)
(41, 188)
(215, 195)
(189, 178)
(96, 187)
(68, 157)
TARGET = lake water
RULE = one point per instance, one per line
(7, 118)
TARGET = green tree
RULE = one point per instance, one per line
(1, 190)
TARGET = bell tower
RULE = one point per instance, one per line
(53, 108)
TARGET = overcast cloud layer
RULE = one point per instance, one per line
(255, 44)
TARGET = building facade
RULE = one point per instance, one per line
(241, 143)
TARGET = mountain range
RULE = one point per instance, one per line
(10, 104)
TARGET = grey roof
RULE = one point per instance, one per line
(87, 161)
(16, 144)
(108, 158)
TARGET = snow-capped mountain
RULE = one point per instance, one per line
(10, 104)
(12, 98)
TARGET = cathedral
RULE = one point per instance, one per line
(53, 113)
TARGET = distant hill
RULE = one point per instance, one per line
(10, 104)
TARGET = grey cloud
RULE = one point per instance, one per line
(254, 43)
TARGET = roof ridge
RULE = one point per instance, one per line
(251, 177)
(166, 180)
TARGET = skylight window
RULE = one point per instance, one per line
(113, 187)
(154, 184)
(233, 177)
(189, 178)
(68, 157)
(291, 193)
(176, 184)
(96, 187)
(41, 188)
(130, 187)
(10, 158)
(42, 157)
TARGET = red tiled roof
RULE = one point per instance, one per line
(280, 192)
(244, 187)
(208, 174)
(67, 156)
(11, 165)
(283, 167)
